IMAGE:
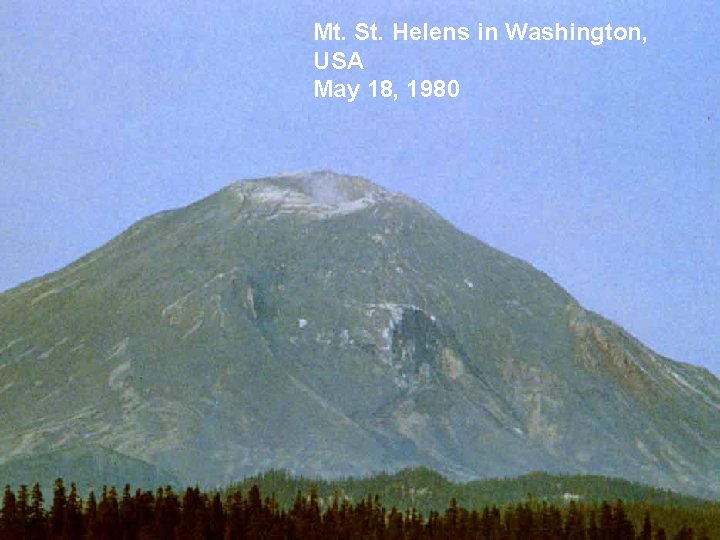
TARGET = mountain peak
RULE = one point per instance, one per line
(316, 194)
(329, 187)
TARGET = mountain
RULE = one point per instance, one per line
(321, 324)
(88, 466)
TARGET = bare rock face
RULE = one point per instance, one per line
(318, 323)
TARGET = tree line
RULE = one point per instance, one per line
(425, 490)
(197, 515)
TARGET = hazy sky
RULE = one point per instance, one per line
(599, 165)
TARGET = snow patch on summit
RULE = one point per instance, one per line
(288, 202)
(317, 195)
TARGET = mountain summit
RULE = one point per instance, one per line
(319, 323)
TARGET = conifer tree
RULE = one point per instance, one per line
(592, 530)
(23, 511)
(485, 524)
(395, 525)
(107, 524)
(167, 513)
(451, 516)
(624, 529)
(524, 522)
(36, 518)
(8, 516)
(127, 515)
(575, 523)
(646, 533)
(254, 515)
(216, 526)
(193, 515)
(235, 508)
(607, 529)
(73, 522)
(90, 518)
(144, 505)
(57, 512)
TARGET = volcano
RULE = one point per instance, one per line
(324, 325)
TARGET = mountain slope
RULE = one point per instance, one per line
(322, 324)
(88, 466)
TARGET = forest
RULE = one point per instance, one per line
(237, 514)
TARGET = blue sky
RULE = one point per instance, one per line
(599, 165)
